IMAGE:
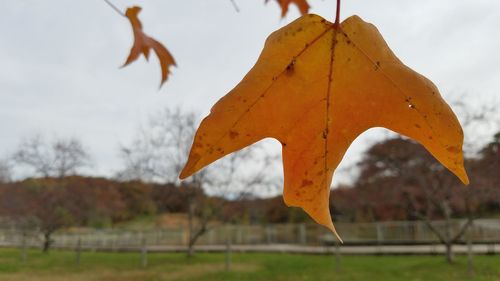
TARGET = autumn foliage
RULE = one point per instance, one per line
(285, 4)
(143, 44)
(316, 87)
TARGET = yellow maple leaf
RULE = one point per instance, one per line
(315, 88)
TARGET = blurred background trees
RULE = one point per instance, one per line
(158, 153)
(58, 158)
(5, 172)
(396, 180)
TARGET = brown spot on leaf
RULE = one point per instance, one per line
(233, 134)
(306, 182)
(453, 149)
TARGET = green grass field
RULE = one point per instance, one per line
(58, 266)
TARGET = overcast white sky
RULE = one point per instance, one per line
(60, 76)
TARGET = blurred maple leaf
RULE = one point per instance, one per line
(301, 4)
(143, 43)
(316, 87)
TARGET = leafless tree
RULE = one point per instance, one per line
(160, 150)
(236, 177)
(58, 158)
(479, 122)
(5, 172)
(417, 183)
(55, 159)
(426, 189)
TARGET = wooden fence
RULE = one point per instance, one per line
(483, 231)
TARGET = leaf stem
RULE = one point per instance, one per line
(235, 6)
(115, 8)
(337, 14)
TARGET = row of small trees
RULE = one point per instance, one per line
(397, 179)
(159, 152)
(50, 204)
(155, 156)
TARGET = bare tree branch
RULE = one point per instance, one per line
(159, 152)
(59, 158)
(5, 171)
(463, 229)
(236, 8)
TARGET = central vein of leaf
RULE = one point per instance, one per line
(278, 76)
(327, 104)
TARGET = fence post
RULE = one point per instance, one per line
(24, 248)
(337, 257)
(470, 262)
(211, 239)
(144, 253)
(491, 248)
(302, 234)
(228, 250)
(114, 238)
(239, 235)
(380, 233)
(380, 237)
(268, 234)
(78, 250)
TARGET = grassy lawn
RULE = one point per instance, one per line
(59, 266)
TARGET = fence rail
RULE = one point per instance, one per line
(483, 231)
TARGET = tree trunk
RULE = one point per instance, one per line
(470, 261)
(194, 238)
(190, 249)
(448, 236)
(450, 257)
(47, 241)
(227, 260)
